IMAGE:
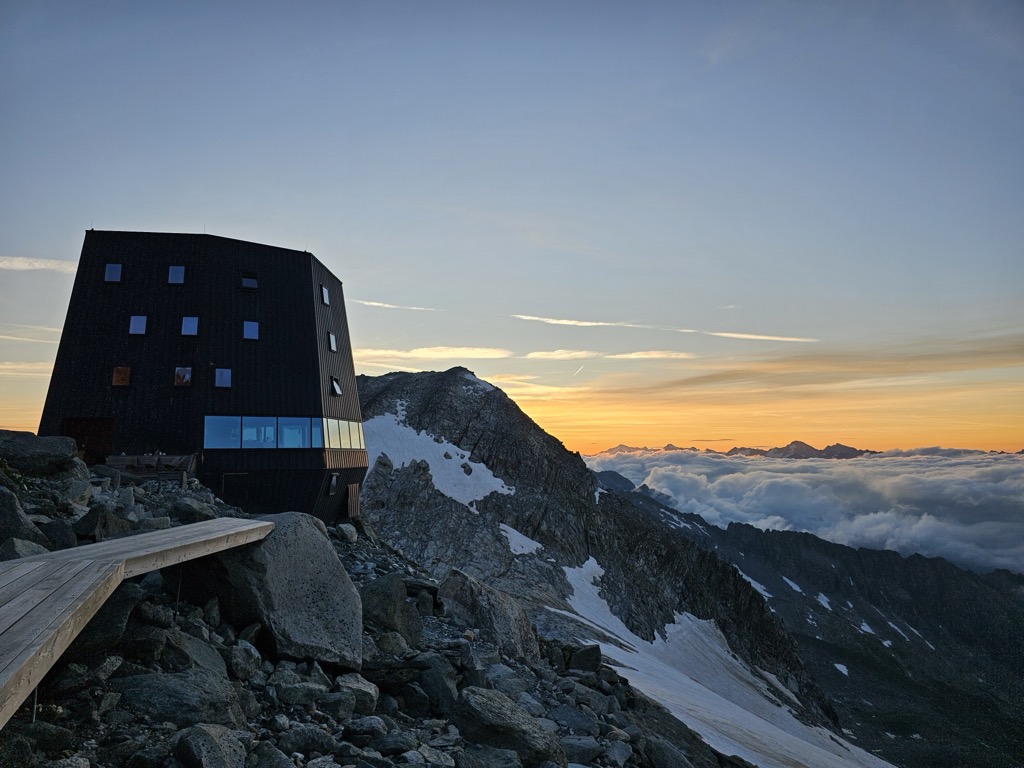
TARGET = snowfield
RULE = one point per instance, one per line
(693, 673)
(390, 435)
(519, 543)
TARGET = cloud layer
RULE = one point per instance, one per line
(965, 506)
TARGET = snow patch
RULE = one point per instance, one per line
(478, 383)
(824, 601)
(866, 628)
(691, 670)
(901, 632)
(390, 435)
(519, 543)
(793, 585)
(887, 643)
(756, 585)
(597, 495)
(842, 668)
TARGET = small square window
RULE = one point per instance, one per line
(112, 274)
(137, 326)
(332, 342)
(176, 275)
(189, 326)
(250, 281)
(250, 329)
(335, 386)
(222, 378)
(325, 295)
(122, 376)
(182, 377)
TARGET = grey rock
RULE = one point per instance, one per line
(338, 704)
(183, 698)
(60, 534)
(363, 691)
(189, 510)
(12, 549)
(291, 583)
(209, 746)
(587, 658)
(114, 475)
(438, 681)
(508, 681)
(243, 660)
(577, 720)
(618, 753)
(371, 725)
(395, 743)
(266, 755)
(302, 692)
(41, 456)
(14, 523)
(51, 739)
(581, 749)
(348, 532)
(501, 619)
(392, 644)
(107, 627)
(385, 605)
(492, 718)
(307, 739)
(662, 754)
(479, 756)
(101, 523)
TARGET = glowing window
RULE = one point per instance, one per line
(137, 326)
(112, 273)
(250, 329)
(176, 275)
(189, 326)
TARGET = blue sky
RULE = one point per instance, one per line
(755, 222)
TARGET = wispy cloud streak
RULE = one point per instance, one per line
(4, 337)
(644, 327)
(24, 264)
(563, 354)
(385, 305)
(25, 369)
(432, 353)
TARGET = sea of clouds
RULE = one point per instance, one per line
(965, 506)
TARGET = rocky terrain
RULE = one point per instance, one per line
(314, 648)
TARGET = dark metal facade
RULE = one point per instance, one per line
(119, 388)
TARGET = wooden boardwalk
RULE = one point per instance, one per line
(46, 600)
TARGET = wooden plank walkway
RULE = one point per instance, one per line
(46, 600)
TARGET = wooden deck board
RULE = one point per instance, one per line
(46, 600)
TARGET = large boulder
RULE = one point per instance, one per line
(183, 698)
(14, 523)
(209, 746)
(499, 616)
(293, 584)
(385, 605)
(492, 718)
(42, 456)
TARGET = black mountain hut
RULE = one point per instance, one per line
(236, 352)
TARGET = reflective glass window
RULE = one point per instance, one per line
(182, 376)
(293, 432)
(318, 433)
(346, 435)
(332, 342)
(222, 432)
(335, 386)
(325, 295)
(259, 432)
(112, 273)
(359, 442)
(137, 326)
(222, 377)
(189, 326)
(333, 487)
(250, 281)
(250, 329)
(176, 275)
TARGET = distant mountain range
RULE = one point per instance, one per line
(795, 450)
